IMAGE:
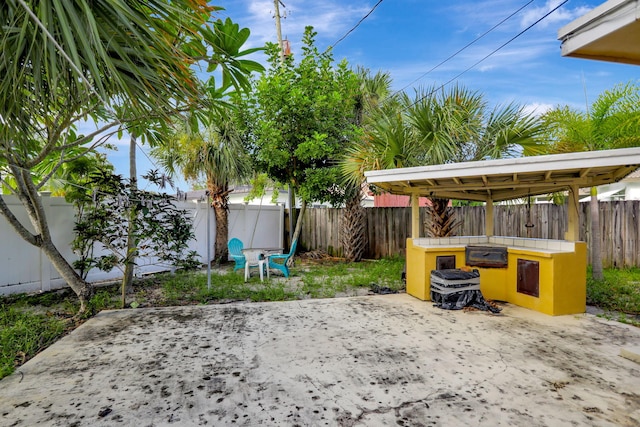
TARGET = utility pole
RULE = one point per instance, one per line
(292, 197)
(276, 5)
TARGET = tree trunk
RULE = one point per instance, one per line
(596, 249)
(296, 233)
(221, 250)
(83, 289)
(292, 212)
(130, 259)
(353, 234)
(220, 204)
(32, 203)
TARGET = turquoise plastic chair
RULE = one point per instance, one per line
(235, 250)
(279, 261)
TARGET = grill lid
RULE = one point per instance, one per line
(486, 256)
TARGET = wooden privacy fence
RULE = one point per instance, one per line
(388, 228)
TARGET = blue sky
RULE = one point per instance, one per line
(407, 38)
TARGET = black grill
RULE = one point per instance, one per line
(486, 256)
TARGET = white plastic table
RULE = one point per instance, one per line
(258, 257)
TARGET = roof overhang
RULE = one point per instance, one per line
(610, 32)
(506, 179)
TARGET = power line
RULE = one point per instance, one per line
(490, 54)
(356, 26)
(450, 57)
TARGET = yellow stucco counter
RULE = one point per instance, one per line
(548, 276)
(544, 275)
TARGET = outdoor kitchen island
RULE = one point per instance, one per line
(548, 276)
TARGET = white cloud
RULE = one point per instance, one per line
(486, 13)
(536, 108)
(512, 58)
(514, 55)
(563, 14)
(330, 19)
(474, 14)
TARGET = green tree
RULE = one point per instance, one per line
(612, 121)
(298, 121)
(105, 205)
(117, 62)
(214, 152)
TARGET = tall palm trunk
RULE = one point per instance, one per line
(440, 219)
(353, 236)
(220, 204)
(596, 247)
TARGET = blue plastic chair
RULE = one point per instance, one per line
(279, 261)
(235, 250)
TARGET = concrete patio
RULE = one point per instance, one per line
(367, 361)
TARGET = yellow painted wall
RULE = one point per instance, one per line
(543, 303)
(416, 268)
(420, 262)
(493, 283)
(570, 275)
(562, 277)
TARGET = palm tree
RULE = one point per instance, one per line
(374, 90)
(215, 153)
(442, 126)
(612, 121)
(457, 125)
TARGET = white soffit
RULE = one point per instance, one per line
(506, 179)
(610, 32)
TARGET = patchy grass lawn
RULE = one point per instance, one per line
(30, 323)
(618, 294)
(24, 334)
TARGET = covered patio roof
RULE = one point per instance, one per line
(503, 179)
(610, 32)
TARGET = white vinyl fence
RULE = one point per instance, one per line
(24, 268)
(257, 226)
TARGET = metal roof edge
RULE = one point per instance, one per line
(595, 14)
(622, 156)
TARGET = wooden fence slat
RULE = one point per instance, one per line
(388, 228)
